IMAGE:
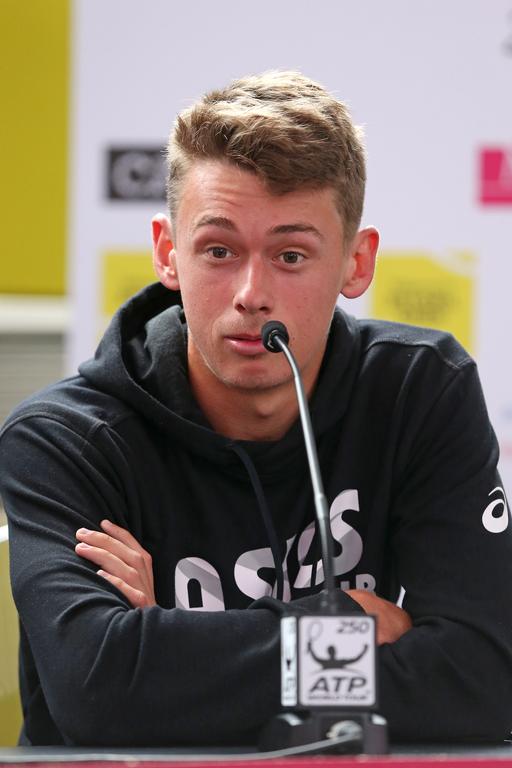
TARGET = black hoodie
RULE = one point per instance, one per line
(408, 459)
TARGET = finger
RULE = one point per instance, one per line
(121, 534)
(110, 563)
(135, 597)
(125, 537)
(103, 541)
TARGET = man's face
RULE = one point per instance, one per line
(242, 256)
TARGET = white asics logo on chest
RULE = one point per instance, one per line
(194, 574)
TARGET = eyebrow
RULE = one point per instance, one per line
(215, 221)
(280, 229)
(284, 229)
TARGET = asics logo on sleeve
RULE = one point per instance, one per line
(495, 516)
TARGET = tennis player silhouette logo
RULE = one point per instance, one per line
(332, 660)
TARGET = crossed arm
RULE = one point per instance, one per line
(127, 565)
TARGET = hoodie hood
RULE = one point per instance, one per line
(142, 360)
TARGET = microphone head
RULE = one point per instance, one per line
(270, 331)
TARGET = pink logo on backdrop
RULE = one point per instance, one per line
(496, 176)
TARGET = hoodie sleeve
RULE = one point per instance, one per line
(450, 677)
(110, 674)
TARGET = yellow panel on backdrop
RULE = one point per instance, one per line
(10, 710)
(425, 289)
(34, 57)
(124, 273)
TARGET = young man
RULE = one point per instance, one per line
(177, 461)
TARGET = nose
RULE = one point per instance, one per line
(253, 288)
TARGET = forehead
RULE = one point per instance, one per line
(216, 188)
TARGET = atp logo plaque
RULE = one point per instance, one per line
(337, 662)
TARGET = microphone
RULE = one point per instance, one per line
(328, 661)
(273, 331)
(275, 338)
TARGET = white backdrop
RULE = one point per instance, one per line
(431, 82)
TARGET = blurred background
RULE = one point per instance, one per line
(90, 88)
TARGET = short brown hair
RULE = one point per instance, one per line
(282, 126)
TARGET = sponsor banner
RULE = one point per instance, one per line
(34, 133)
(135, 174)
(421, 288)
(124, 273)
(496, 176)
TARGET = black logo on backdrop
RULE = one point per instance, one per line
(135, 173)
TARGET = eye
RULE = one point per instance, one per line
(291, 257)
(218, 252)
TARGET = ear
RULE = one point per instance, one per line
(164, 255)
(362, 255)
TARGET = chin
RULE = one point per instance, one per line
(254, 381)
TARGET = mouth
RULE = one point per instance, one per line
(245, 343)
(246, 336)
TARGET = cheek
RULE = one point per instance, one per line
(205, 291)
(204, 304)
(314, 319)
(317, 304)
(194, 290)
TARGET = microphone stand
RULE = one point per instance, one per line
(321, 707)
(322, 512)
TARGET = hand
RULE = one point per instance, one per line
(122, 561)
(392, 621)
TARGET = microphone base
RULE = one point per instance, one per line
(293, 729)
